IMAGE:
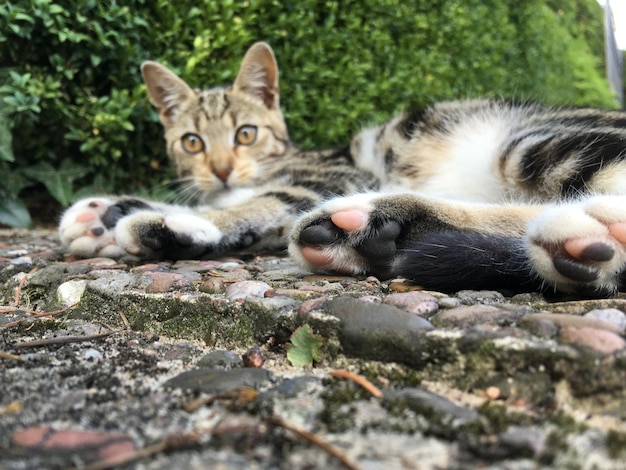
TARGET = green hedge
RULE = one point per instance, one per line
(74, 118)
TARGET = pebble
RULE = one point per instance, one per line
(71, 292)
(379, 329)
(212, 286)
(253, 357)
(563, 320)
(449, 302)
(436, 408)
(419, 303)
(487, 297)
(543, 328)
(166, 282)
(524, 440)
(467, 316)
(609, 315)
(310, 305)
(602, 341)
(90, 445)
(198, 266)
(220, 358)
(92, 354)
(213, 381)
(292, 387)
(243, 289)
(115, 282)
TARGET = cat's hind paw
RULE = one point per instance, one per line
(84, 232)
(581, 247)
(347, 236)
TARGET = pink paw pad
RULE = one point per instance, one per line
(350, 220)
(85, 217)
(315, 256)
(588, 249)
(618, 231)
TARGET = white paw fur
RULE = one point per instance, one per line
(128, 230)
(587, 219)
(81, 229)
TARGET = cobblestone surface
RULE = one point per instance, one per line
(148, 362)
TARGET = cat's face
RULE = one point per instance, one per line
(222, 138)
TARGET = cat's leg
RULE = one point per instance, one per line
(109, 227)
(437, 243)
(178, 232)
(574, 247)
(581, 246)
(115, 227)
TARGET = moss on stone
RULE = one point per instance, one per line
(616, 443)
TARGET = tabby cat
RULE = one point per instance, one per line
(459, 195)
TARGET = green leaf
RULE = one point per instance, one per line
(59, 183)
(6, 140)
(13, 212)
(305, 347)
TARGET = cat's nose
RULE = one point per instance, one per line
(223, 172)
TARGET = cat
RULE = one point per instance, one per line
(476, 194)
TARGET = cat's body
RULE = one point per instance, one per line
(475, 194)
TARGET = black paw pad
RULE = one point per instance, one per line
(322, 233)
(598, 252)
(120, 209)
(111, 216)
(379, 249)
(575, 271)
(172, 245)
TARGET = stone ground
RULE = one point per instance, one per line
(184, 365)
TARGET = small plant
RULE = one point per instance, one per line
(305, 347)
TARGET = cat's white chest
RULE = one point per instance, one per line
(233, 197)
(467, 167)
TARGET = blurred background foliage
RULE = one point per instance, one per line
(74, 118)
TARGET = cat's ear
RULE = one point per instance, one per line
(258, 75)
(165, 89)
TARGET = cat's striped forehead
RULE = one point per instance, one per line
(214, 103)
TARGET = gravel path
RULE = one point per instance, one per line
(185, 365)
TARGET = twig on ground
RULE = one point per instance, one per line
(107, 326)
(18, 292)
(35, 314)
(125, 320)
(359, 379)
(315, 440)
(6, 355)
(241, 394)
(64, 340)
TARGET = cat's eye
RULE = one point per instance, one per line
(192, 143)
(246, 135)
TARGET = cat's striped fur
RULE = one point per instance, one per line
(467, 194)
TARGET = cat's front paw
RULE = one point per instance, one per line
(581, 247)
(155, 235)
(347, 235)
(84, 229)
